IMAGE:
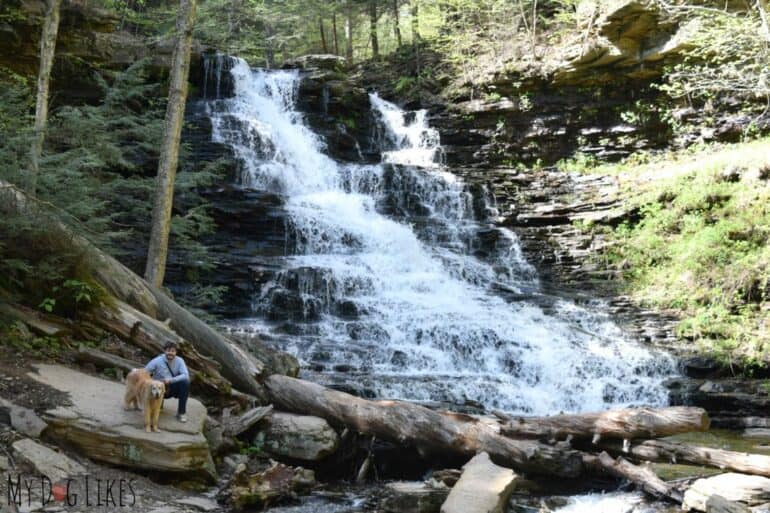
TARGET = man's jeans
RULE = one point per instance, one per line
(180, 389)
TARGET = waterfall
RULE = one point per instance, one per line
(397, 285)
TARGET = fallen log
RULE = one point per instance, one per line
(238, 366)
(211, 386)
(644, 478)
(103, 360)
(40, 323)
(665, 451)
(429, 431)
(623, 423)
(151, 335)
(237, 426)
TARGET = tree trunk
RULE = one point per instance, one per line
(415, 23)
(47, 54)
(644, 478)
(269, 48)
(396, 28)
(429, 431)
(624, 423)
(169, 152)
(349, 31)
(324, 47)
(373, 28)
(334, 32)
(675, 452)
(239, 367)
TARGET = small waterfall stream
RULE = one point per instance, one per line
(396, 282)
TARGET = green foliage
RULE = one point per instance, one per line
(726, 60)
(700, 247)
(97, 176)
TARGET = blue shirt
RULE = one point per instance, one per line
(160, 371)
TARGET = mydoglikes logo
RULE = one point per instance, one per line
(82, 491)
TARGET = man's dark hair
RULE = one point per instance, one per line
(169, 345)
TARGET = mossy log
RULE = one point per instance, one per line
(429, 431)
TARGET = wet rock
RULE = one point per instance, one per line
(198, 503)
(265, 487)
(99, 428)
(483, 488)
(23, 420)
(413, 497)
(54, 465)
(722, 398)
(702, 367)
(718, 504)
(299, 437)
(731, 486)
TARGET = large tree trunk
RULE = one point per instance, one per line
(396, 28)
(674, 452)
(373, 28)
(239, 367)
(349, 31)
(429, 431)
(47, 53)
(169, 151)
(624, 423)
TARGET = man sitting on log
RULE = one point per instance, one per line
(171, 369)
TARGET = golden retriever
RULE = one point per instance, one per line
(145, 393)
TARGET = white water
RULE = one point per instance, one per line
(428, 320)
(614, 502)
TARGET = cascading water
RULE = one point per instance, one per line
(396, 285)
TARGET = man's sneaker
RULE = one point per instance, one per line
(181, 418)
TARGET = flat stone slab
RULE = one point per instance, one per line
(483, 487)
(54, 465)
(99, 427)
(23, 420)
(751, 490)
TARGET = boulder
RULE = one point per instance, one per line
(413, 497)
(298, 437)
(98, 426)
(318, 61)
(483, 487)
(744, 488)
(23, 420)
(265, 487)
(54, 465)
